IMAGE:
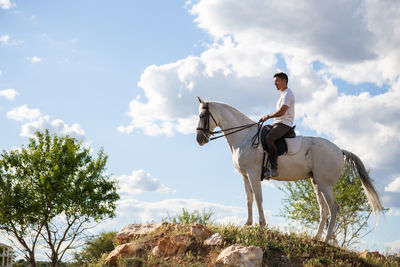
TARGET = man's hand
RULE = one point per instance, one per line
(265, 117)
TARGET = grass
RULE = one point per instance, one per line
(280, 249)
(297, 249)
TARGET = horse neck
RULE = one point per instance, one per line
(229, 117)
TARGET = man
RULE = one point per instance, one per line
(283, 120)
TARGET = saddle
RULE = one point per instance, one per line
(280, 143)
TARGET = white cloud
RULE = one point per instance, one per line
(4, 39)
(9, 94)
(57, 126)
(394, 247)
(394, 186)
(33, 121)
(5, 4)
(34, 59)
(357, 43)
(140, 181)
(23, 113)
(141, 211)
(220, 73)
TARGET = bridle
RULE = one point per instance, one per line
(206, 127)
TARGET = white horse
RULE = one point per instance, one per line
(316, 158)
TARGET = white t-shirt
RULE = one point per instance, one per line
(287, 98)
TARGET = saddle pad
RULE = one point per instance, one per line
(294, 144)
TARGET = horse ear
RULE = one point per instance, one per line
(201, 101)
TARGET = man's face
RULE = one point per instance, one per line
(280, 83)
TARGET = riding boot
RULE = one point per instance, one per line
(273, 159)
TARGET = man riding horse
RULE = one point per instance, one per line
(283, 120)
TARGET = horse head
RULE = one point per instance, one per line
(206, 124)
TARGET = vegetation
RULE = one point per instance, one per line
(95, 247)
(188, 217)
(50, 191)
(300, 204)
(295, 249)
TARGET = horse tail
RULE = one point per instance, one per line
(358, 170)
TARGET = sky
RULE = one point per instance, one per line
(125, 76)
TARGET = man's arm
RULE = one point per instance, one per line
(280, 112)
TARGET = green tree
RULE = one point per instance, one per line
(300, 204)
(95, 247)
(51, 191)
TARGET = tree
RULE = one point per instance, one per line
(51, 191)
(95, 247)
(300, 204)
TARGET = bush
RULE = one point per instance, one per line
(95, 247)
(191, 217)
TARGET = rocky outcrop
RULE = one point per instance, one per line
(367, 254)
(214, 240)
(124, 250)
(172, 246)
(199, 231)
(238, 255)
(128, 232)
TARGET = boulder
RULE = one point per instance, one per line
(125, 250)
(199, 231)
(132, 230)
(214, 240)
(172, 246)
(367, 254)
(238, 255)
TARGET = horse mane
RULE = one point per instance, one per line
(237, 114)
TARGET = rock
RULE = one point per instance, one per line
(136, 229)
(214, 240)
(238, 255)
(366, 254)
(200, 231)
(172, 246)
(156, 252)
(125, 250)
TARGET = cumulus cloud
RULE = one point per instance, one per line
(394, 186)
(34, 59)
(140, 181)
(9, 94)
(23, 113)
(4, 39)
(33, 121)
(5, 4)
(142, 211)
(220, 73)
(394, 247)
(252, 40)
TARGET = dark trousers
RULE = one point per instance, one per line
(276, 132)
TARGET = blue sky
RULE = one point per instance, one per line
(125, 75)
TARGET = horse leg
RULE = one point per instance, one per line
(323, 210)
(249, 195)
(327, 192)
(256, 187)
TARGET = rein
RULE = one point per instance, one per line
(207, 114)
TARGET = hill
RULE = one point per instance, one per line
(175, 244)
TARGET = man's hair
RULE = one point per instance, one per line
(282, 75)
